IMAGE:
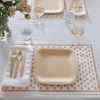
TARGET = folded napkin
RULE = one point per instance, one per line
(18, 81)
(79, 13)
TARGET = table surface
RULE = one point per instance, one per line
(56, 31)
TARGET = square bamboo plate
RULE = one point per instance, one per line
(55, 66)
(50, 6)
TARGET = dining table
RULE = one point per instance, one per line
(55, 32)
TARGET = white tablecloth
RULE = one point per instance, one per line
(56, 31)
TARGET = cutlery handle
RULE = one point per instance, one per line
(23, 64)
(75, 2)
(12, 66)
(16, 70)
(79, 4)
(71, 5)
(22, 68)
(72, 2)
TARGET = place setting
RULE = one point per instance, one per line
(53, 68)
(56, 10)
(49, 68)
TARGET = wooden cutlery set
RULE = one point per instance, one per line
(77, 6)
(20, 57)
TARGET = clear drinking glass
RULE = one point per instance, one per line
(39, 11)
(26, 32)
(69, 18)
(77, 30)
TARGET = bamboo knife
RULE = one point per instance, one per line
(23, 64)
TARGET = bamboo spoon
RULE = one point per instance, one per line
(19, 56)
(76, 7)
(79, 5)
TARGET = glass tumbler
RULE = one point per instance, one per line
(27, 34)
(69, 18)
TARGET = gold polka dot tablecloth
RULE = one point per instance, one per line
(87, 75)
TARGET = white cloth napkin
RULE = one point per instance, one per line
(79, 13)
(19, 81)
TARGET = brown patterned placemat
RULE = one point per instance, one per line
(58, 15)
(87, 77)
